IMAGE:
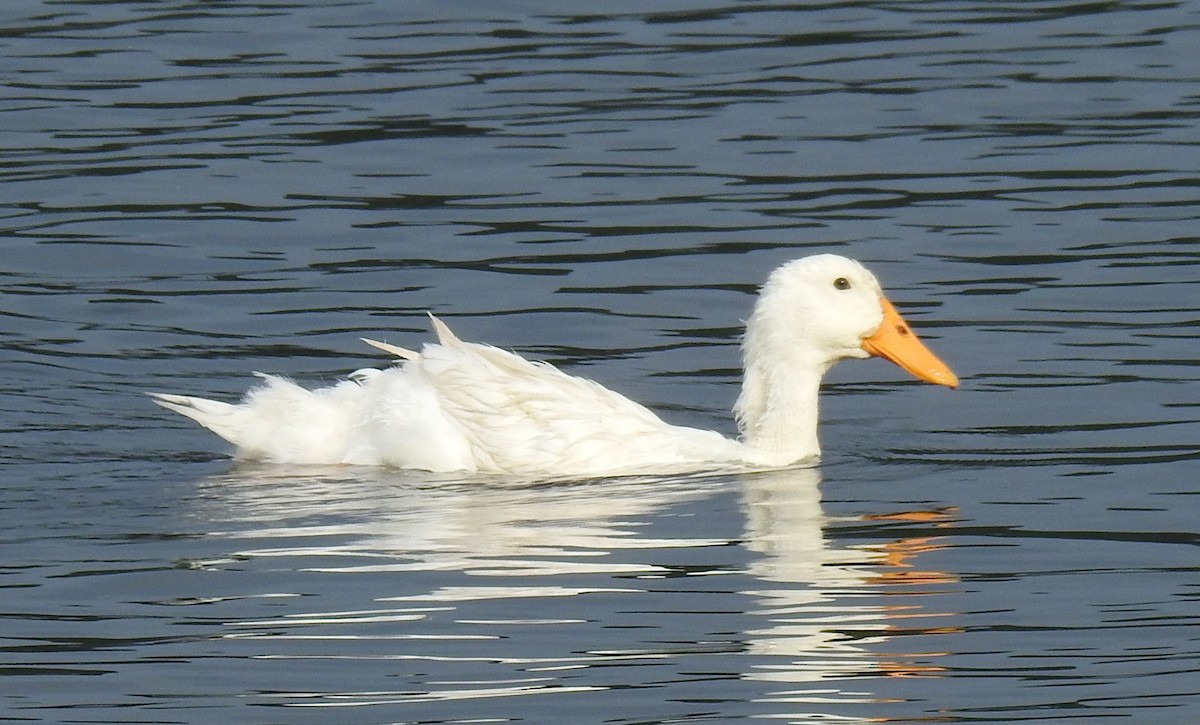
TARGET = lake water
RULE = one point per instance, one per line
(194, 191)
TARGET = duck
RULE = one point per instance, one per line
(471, 407)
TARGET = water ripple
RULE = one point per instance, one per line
(197, 192)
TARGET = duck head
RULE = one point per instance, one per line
(811, 313)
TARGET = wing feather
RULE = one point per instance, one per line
(524, 415)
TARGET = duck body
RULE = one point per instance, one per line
(461, 406)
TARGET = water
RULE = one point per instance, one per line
(193, 191)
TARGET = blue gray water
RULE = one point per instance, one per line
(194, 191)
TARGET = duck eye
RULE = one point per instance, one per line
(841, 283)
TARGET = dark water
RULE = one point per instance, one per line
(192, 191)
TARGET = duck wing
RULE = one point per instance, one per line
(530, 417)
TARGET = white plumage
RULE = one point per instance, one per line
(465, 406)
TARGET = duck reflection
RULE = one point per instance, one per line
(825, 607)
(373, 520)
(820, 610)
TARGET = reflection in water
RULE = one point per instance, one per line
(544, 555)
(821, 603)
(401, 521)
(601, 186)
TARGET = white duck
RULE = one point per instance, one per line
(464, 406)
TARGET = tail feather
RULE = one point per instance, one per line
(221, 418)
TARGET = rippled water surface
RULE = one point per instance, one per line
(194, 191)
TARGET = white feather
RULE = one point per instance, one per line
(465, 406)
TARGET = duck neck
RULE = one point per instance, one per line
(777, 410)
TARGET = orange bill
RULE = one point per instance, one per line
(895, 341)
